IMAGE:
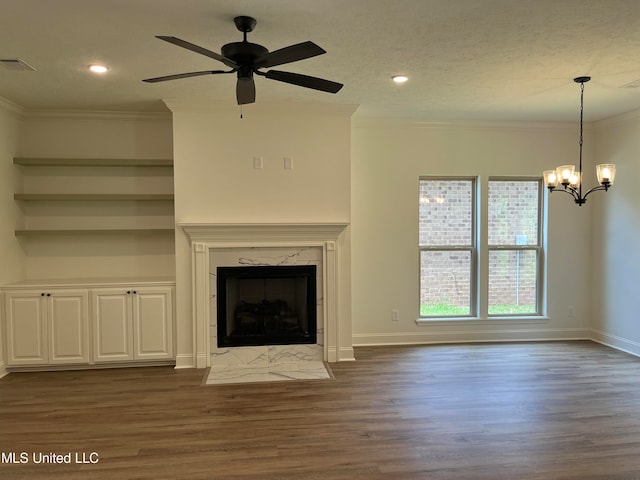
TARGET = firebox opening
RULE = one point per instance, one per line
(266, 305)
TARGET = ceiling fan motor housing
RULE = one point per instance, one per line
(243, 53)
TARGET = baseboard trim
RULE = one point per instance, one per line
(619, 343)
(93, 366)
(346, 354)
(184, 360)
(3, 370)
(533, 335)
(529, 335)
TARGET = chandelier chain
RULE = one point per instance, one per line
(581, 134)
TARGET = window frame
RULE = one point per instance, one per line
(472, 248)
(538, 248)
(479, 293)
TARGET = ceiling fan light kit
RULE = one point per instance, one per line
(568, 177)
(246, 59)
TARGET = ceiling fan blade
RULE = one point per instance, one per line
(304, 81)
(245, 90)
(197, 49)
(183, 75)
(289, 54)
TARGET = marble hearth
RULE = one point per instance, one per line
(225, 245)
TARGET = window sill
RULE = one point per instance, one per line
(422, 321)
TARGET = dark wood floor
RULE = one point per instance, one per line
(565, 410)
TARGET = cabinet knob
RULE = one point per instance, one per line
(42, 294)
(134, 292)
(48, 294)
(128, 292)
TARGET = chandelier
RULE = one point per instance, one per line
(568, 178)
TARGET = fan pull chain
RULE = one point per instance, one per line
(241, 112)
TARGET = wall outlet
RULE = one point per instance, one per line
(395, 315)
(572, 311)
(258, 163)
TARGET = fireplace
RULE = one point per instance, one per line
(266, 305)
(215, 245)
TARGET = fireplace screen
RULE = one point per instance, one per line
(266, 305)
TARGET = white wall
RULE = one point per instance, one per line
(388, 156)
(216, 182)
(95, 135)
(616, 259)
(11, 256)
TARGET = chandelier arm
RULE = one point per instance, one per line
(595, 189)
(573, 192)
(567, 190)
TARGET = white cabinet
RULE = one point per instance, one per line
(85, 323)
(132, 324)
(112, 325)
(47, 327)
(152, 323)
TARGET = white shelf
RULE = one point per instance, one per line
(92, 231)
(89, 282)
(93, 162)
(89, 197)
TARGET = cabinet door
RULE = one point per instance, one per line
(26, 328)
(112, 325)
(153, 323)
(68, 326)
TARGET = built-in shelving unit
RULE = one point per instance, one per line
(96, 240)
(57, 174)
(95, 217)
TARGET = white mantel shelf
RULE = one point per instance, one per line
(244, 232)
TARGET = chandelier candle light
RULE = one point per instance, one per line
(567, 176)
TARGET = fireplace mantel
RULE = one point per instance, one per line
(263, 232)
(206, 238)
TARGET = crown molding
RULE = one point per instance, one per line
(400, 122)
(618, 119)
(97, 115)
(10, 106)
(262, 108)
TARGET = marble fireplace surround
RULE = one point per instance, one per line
(209, 240)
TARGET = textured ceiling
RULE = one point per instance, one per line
(466, 59)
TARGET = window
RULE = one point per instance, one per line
(447, 247)
(514, 246)
(456, 263)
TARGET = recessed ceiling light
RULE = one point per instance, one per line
(400, 78)
(98, 68)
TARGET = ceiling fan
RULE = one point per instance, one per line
(246, 58)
